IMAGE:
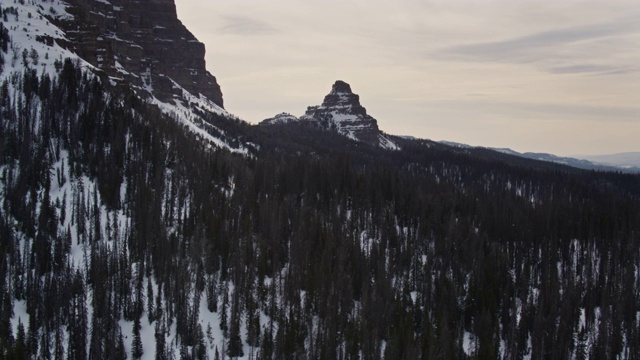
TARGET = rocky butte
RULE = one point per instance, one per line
(341, 112)
(142, 44)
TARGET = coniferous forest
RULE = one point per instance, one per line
(126, 236)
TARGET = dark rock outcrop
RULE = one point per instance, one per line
(341, 112)
(141, 43)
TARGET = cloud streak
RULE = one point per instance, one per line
(548, 49)
(246, 26)
(548, 110)
(594, 69)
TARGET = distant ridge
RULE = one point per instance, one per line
(574, 162)
(624, 162)
(625, 159)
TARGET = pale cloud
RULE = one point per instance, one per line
(523, 48)
(547, 110)
(243, 25)
(563, 50)
(593, 69)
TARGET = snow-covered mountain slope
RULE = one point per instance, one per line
(341, 112)
(76, 177)
(56, 111)
(280, 119)
(188, 110)
(39, 44)
(34, 40)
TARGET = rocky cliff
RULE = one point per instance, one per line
(341, 112)
(141, 43)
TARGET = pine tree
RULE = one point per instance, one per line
(225, 305)
(137, 349)
(234, 344)
(58, 351)
(581, 348)
(20, 350)
(212, 296)
(161, 351)
(184, 352)
(200, 348)
(151, 315)
(119, 352)
(266, 348)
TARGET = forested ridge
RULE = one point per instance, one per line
(125, 235)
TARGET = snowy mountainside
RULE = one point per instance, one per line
(56, 112)
(75, 161)
(34, 39)
(280, 119)
(38, 44)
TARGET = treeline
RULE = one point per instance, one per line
(115, 218)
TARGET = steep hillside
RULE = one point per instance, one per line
(40, 35)
(136, 228)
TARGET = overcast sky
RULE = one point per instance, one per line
(546, 76)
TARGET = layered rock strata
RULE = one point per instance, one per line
(141, 43)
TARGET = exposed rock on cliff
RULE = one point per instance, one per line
(142, 43)
(341, 112)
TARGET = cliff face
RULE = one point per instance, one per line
(142, 43)
(341, 112)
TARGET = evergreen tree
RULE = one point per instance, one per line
(20, 349)
(151, 315)
(234, 344)
(137, 349)
(161, 351)
(581, 348)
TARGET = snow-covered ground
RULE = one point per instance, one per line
(28, 27)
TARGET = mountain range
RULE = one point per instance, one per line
(140, 219)
(627, 162)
